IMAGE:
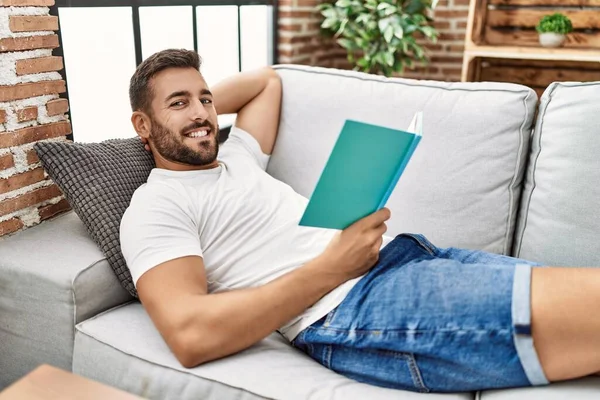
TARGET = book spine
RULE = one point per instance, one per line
(406, 159)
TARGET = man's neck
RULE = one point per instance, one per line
(176, 166)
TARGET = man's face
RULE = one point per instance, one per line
(184, 120)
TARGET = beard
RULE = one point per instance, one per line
(170, 145)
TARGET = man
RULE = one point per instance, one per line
(220, 262)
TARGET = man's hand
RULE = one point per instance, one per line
(355, 250)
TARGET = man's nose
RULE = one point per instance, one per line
(198, 110)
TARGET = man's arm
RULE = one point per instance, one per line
(256, 98)
(200, 327)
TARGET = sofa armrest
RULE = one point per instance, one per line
(52, 276)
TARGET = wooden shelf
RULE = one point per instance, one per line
(500, 30)
(534, 53)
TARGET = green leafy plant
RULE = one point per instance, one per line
(379, 35)
(555, 23)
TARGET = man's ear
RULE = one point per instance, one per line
(141, 123)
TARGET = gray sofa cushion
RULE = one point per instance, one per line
(51, 277)
(140, 362)
(463, 184)
(581, 389)
(559, 215)
(98, 180)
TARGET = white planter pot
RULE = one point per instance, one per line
(550, 39)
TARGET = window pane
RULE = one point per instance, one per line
(99, 61)
(217, 41)
(166, 28)
(256, 27)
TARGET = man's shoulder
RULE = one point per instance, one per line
(154, 207)
(155, 196)
(154, 189)
(242, 146)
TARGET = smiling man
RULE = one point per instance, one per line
(219, 261)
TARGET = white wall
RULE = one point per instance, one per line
(100, 57)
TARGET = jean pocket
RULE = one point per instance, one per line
(329, 318)
(384, 368)
(423, 243)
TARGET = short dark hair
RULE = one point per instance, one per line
(140, 92)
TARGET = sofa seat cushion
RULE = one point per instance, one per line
(582, 389)
(122, 348)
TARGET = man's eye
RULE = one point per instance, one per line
(178, 103)
(206, 101)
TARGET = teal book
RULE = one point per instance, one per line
(362, 171)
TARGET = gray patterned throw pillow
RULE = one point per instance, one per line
(98, 180)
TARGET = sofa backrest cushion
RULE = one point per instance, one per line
(461, 187)
(559, 222)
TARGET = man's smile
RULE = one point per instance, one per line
(198, 132)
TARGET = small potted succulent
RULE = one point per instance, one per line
(553, 28)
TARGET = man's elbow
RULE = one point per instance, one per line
(187, 361)
(190, 349)
(272, 74)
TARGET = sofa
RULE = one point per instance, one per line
(497, 169)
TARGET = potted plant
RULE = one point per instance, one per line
(553, 28)
(380, 36)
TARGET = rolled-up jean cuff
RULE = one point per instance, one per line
(521, 315)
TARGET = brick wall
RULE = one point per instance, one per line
(450, 19)
(300, 42)
(30, 111)
(299, 39)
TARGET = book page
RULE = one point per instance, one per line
(416, 125)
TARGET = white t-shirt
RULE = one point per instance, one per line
(239, 219)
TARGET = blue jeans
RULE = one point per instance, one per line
(428, 319)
